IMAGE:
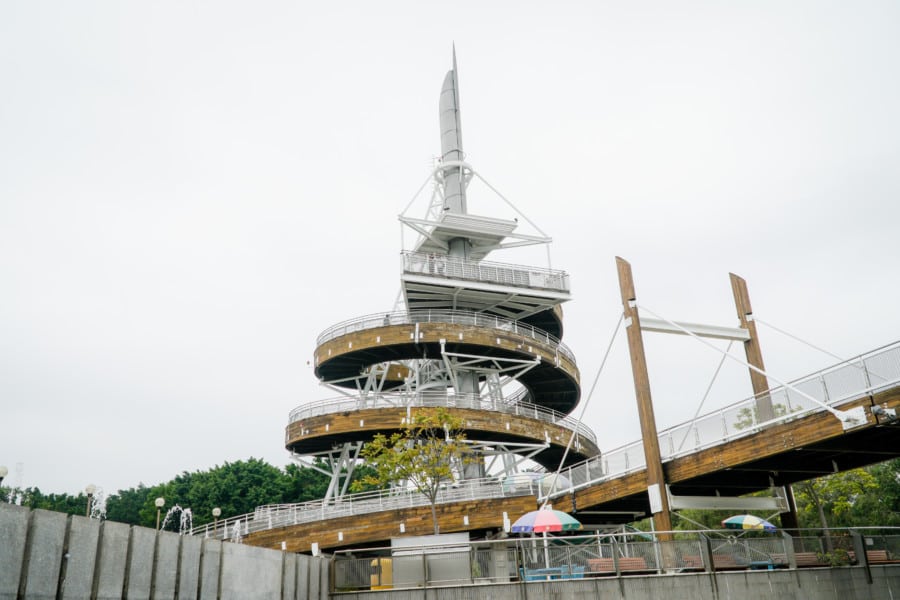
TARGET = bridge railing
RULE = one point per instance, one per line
(453, 317)
(441, 399)
(442, 265)
(872, 372)
(845, 381)
(279, 515)
(604, 555)
(835, 385)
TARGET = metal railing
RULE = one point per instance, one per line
(279, 515)
(604, 555)
(453, 317)
(455, 267)
(440, 399)
(866, 374)
(872, 372)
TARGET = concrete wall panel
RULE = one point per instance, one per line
(165, 567)
(80, 558)
(249, 572)
(289, 576)
(314, 580)
(324, 583)
(43, 554)
(189, 567)
(13, 532)
(139, 573)
(210, 558)
(109, 574)
(303, 576)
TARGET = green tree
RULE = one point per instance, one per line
(237, 488)
(424, 454)
(883, 506)
(125, 505)
(839, 500)
(65, 503)
(304, 483)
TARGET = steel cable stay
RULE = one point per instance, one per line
(583, 409)
(705, 395)
(814, 347)
(848, 419)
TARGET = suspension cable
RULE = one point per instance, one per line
(813, 346)
(841, 416)
(583, 409)
(706, 394)
(802, 341)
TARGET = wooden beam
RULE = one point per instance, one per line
(760, 383)
(656, 483)
(752, 349)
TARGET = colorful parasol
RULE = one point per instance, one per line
(747, 522)
(544, 520)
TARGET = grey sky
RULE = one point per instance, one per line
(191, 192)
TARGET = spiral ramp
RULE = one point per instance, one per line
(480, 339)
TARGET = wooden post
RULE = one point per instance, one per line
(764, 410)
(656, 484)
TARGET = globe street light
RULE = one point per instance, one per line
(3, 472)
(89, 490)
(216, 513)
(160, 502)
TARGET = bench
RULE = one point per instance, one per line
(563, 572)
(692, 562)
(726, 562)
(877, 556)
(873, 556)
(807, 559)
(630, 564)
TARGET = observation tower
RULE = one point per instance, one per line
(479, 337)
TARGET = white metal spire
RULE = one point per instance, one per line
(451, 143)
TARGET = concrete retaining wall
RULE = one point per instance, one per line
(843, 583)
(48, 555)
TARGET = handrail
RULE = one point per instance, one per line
(456, 267)
(607, 554)
(280, 515)
(440, 399)
(833, 385)
(461, 317)
(884, 361)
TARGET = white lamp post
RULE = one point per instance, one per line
(160, 502)
(217, 512)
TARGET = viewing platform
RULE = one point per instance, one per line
(529, 294)
(540, 361)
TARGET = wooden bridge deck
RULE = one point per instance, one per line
(782, 454)
(804, 448)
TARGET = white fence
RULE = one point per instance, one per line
(867, 374)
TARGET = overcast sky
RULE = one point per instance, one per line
(190, 192)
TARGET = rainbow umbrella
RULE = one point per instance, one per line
(544, 520)
(747, 522)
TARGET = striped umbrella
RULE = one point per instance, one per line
(747, 522)
(544, 520)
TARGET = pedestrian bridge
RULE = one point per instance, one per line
(725, 453)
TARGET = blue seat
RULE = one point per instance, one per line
(575, 573)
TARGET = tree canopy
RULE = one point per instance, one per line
(235, 487)
(425, 454)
